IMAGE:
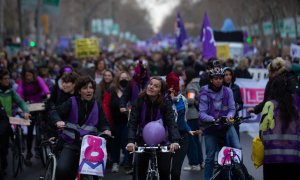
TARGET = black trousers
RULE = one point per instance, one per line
(178, 157)
(141, 165)
(281, 171)
(67, 164)
(4, 145)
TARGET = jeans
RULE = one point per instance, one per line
(194, 152)
(211, 147)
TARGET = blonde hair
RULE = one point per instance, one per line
(243, 63)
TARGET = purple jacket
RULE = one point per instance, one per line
(283, 146)
(31, 93)
(213, 105)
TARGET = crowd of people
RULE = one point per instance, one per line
(119, 93)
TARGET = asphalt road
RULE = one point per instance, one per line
(36, 170)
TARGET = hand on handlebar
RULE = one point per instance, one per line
(108, 132)
(174, 147)
(130, 147)
(60, 124)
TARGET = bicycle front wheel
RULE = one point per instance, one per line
(237, 173)
(50, 169)
(152, 176)
(16, 163)
(45, 151)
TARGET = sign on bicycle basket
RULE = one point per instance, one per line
(93, 156)
(226, 153)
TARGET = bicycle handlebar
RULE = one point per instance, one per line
(142, 149)
(224, 121)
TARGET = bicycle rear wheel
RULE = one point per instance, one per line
(50, 169)
(17, 157)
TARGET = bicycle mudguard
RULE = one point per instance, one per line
(93, 156)
(225, 154)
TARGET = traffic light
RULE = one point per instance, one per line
(32, 44)
(248, 40)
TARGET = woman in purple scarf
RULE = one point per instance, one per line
(151, 105)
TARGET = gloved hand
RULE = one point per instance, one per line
(222, 120)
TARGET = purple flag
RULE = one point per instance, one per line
(207, 39)
(180, 32)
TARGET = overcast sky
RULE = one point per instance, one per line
(158, 10)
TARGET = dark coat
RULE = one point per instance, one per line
(168, 118)
(62, 112)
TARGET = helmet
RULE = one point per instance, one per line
(154, 133)
(216, 71)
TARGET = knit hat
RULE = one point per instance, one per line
(172, 80)
(141, 75)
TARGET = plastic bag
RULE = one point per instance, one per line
(257, 152)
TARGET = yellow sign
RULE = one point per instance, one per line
(223, 51)
(87, 48)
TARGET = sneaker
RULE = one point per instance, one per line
(115, 168)
(192, 168)
(129, 171)
(202, 165)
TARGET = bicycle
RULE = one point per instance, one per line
(51, 162)
(229, 164)
(152, 172)
(17, 144)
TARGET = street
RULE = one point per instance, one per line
(34, 172)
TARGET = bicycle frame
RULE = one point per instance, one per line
(152, 165)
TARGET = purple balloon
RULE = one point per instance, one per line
(154, 133)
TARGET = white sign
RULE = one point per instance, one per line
(295, 51)
(93, 156)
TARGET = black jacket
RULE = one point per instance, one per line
(62, 112)
(237, 97)
(57, 98)
(168, 118)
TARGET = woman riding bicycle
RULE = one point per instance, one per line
(216, 101)
(83, 112)
(33, 89)
(151, 105)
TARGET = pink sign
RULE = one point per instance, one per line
(252, 96)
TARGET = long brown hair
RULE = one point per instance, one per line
(116, 81)
(103, 85)
(161, 96)
(281, 90)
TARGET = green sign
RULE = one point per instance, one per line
(52, 2)
(267, 27)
